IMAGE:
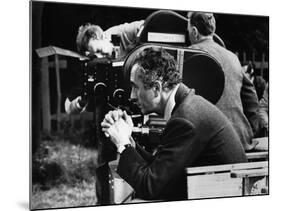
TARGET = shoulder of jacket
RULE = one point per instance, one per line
(177, 120)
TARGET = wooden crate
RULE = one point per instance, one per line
(225, 180)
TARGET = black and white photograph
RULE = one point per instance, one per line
(135, 105)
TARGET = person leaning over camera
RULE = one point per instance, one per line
(197, 132)
(93, 41)
(239, 100)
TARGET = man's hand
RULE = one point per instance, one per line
(113, 116)
(119, 133)
(118, 126)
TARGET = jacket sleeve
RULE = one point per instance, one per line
(145, 155)
(127, 30)
(250, 103)
(177, 149)
(128, 35)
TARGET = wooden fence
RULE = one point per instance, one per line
(59, 63)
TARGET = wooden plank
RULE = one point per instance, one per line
(249, 173)
(53, 50)
(252, 165)
(257, 155)
(62, 64)
(58, 91)
(46, 113)
(45, 51)
(208, 169)
(226, 167)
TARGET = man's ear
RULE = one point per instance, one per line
(157, 88)
(194, 32)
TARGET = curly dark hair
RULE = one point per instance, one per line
(86, 32)
(157, 65)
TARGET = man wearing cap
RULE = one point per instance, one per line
(197, 132)
(239, 100)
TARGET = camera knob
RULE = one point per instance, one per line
(118, 95)
(100, 88)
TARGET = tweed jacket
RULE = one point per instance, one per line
(239, 100)
(197, 134)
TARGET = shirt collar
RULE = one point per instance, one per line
(170, 104)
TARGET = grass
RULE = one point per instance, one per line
(82, 194)
(63, 175)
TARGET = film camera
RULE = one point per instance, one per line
(103, 78)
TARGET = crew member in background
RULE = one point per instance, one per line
(239, 100)
(93, 41)
(256, 78)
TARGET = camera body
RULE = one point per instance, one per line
(103, 78)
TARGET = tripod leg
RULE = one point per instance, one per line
(106, 153)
